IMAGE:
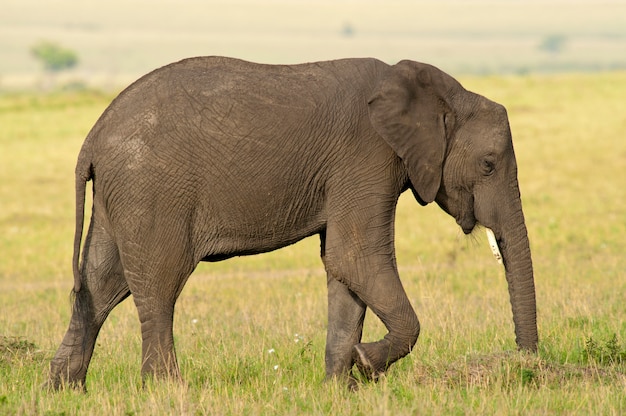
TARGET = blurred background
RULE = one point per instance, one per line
(108, 44)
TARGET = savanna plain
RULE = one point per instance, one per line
(250, 332)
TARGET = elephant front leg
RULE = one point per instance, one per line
(387, 299)
(358, 250)
(346, 313)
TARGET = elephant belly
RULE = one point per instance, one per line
(246, 240)
(269, 211)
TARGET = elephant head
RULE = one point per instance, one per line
(456, 147)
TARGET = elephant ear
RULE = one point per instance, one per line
(407, 109)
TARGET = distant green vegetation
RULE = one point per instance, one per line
(53, 56)
(553, 44)
(250, 332)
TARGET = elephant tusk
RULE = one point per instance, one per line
(493, 244)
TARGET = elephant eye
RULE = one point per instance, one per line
(487, 167)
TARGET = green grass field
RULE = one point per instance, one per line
(250, 332)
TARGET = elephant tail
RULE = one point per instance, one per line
(84, 173)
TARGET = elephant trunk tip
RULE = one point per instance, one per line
(530, 347)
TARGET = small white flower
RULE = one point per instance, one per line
(271, 351)
(194, 321)
(276, 367)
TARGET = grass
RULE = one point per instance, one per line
(250, 332)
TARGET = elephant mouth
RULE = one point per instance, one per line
(464, 215)
(466, 218)
(467, 223)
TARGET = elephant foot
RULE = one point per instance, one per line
(62, 377)
(344, 379)
(372, 359)
(57, 383)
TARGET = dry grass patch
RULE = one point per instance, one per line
(14, 350)
(511, 370)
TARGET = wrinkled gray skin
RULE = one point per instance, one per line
(210, 158)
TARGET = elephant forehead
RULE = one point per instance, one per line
(481, 136)
(494, 140)
(489, 111)
(490, 116)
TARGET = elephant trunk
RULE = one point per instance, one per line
(513, 243)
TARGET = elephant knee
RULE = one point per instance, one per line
(411, 332)
(415, 333)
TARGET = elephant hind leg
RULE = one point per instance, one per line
(103, 287)
(156, 281)
(158, 352)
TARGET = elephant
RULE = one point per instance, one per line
(209, 158)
